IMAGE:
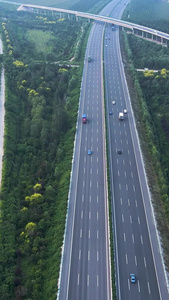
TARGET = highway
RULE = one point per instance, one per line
(104, 18)
(89, 276)
(85, 268)
(86, 259)
(136, 243)
(85, 272)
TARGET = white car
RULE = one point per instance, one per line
(125, 111)
(113, 102)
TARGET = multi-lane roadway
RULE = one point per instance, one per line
(86, 259)
(85, 268)
(162, 36)
(89, 273)
(136, 246)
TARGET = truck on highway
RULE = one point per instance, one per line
(84, 118)
(121, 115)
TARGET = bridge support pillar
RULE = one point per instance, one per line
(154, 37)
(163, 42)
(77, 18)
(60, 15)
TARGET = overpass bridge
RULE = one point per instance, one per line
(142, 31)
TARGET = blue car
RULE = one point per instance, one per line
(132, 278)
(89, 152)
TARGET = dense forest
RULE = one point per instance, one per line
(152, 105)
(43, 60)
(150, 13)
(42, 95)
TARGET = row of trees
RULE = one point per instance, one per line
(145, 56)
(146, 85)
(151, 110)
(41, 110)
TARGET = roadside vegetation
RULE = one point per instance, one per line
(41, 110)
(42, 95)
(149, 95)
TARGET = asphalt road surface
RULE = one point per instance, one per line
(86, 265)
(137, 249)
(85, 272)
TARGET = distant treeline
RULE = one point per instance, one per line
(150, 13)
(90, 5)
